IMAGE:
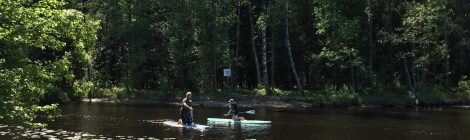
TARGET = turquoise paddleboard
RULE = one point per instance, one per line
(230, 121)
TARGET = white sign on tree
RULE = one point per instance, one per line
(227, 72)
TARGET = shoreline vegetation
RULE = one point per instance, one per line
(280, 105)
(286, 99)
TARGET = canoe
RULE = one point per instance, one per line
(230, 121)
(197, 127)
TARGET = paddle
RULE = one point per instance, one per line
(252, 112)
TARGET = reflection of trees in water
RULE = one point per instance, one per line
(240, 131)
(189, 133)
(236, 131)
(186, 133)
(249, 131)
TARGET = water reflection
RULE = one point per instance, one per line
(239, 131)
(94, 121)
(186, 133)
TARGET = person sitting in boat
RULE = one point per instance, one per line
(233, 110)
(186, 111)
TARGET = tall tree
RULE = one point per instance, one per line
(253, 43)
(289, 51)
(371, 39)
(339, 34)
(214, 50)
(427, 40)
(390, 29)
(262, 21)
(273, 44)
(238, 38)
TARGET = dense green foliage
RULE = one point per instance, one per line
(162, 45)
(45, 53)
(405, 52)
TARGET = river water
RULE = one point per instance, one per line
(114, 121)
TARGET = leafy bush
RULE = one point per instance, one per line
(44, 57)
(113, 93)
(344, 95)
(81, 89)
(386, 95)
(19, 94)
(463, 88)
(55, 95)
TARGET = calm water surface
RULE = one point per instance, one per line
(108, 121)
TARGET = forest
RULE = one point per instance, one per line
(341, 52)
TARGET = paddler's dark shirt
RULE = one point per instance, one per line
(188, 102)
(233, 106)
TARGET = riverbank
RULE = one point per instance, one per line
(207, 104)
(279, 105)
(330, 96)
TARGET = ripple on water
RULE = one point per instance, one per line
(19, 132)
(19, 127)
(88, 135)
(49, 131)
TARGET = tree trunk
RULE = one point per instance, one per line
(390, 2)
(273, 54)
(413, 68)
(253, 46)
(447, 64)
(229, 80)
(408, 76)
(371, 40)
(214, 61)
(132, 48)
(238, 40)
(353, 81)
(462, 57)
(289, 52)
(266, 84)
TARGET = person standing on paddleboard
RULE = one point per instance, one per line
(186, 111)
(233, 110)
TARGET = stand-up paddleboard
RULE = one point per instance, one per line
(231, 121)
(198, 127)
